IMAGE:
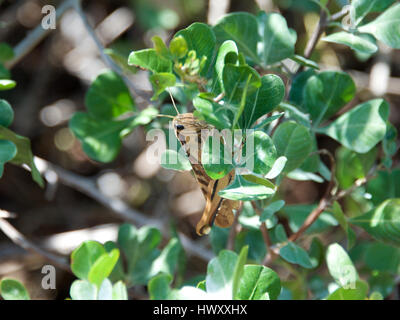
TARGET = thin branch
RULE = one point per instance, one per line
(19, 239)
(271, 254)
(324, 202)
(318, 31)
(232, 234)
(107, 59)
(120, 208)
(340, 14)
(36, 36)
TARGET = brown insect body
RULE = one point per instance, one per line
(191, 133)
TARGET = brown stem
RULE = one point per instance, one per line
(232, 234)
(324, 202)
(318, 31)
(18, 238)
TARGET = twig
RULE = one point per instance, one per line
(318, 31)
(324, 202)
(19, 239)
(340, 14)
(39, 33)
(107, 59)
(36, 36)
(117, 206)
(7, 215)
(271, 254)
(232, 234)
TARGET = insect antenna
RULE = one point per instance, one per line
(173, 101)
(165, 116)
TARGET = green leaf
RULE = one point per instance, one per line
(271, 209)
(295, 254)
(103, 266)
(386, 27)
(239, 269)
(214, 113)
(6, 52)
(119, 291)
(11, 289)
(260, 153)
(159, 287)
(226, 50)
(173, 160)
(8, 150)
(258, 283)
(102, 139)
(353, 41)
(304, 61)
(251, 238)
(340, 266)
(160, 47)
(278, 40)
(83, 290)
(84, 258)
(362, 7)
(4, 73)
(6, 84)
(265, 99)
(178, 47)
(351, 166)
(6, 113)
(382, 222)
(316, 252)
(293, 141)
(167, 261)
(242, 189)
(361, 128)
(200, 38)
(326, 93)
(218, 238)
(105, 290)
(279, 234)
(149, 59)
(239, 80)
(24, 154)
(108, 97)
(381, 257)
(297, 89)
(358, 292)
(215, 162)
(382, 282)
(277, 168)
(144, 260)
(242, 28)
(160, 82)
(385, 185)
(220, 275)
(342, 219)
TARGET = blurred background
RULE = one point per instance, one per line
(52, 80)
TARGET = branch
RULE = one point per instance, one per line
(36, 36)
(231, 238)
(117, 206)
(19, 239)
(271, 254)
(107, 59)
(318, 31)
(324, 202)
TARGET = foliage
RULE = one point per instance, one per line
(233, 75)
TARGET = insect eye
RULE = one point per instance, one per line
(179, 127)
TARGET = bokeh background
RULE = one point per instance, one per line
(52, 80)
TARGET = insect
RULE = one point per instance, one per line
(188, 130)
